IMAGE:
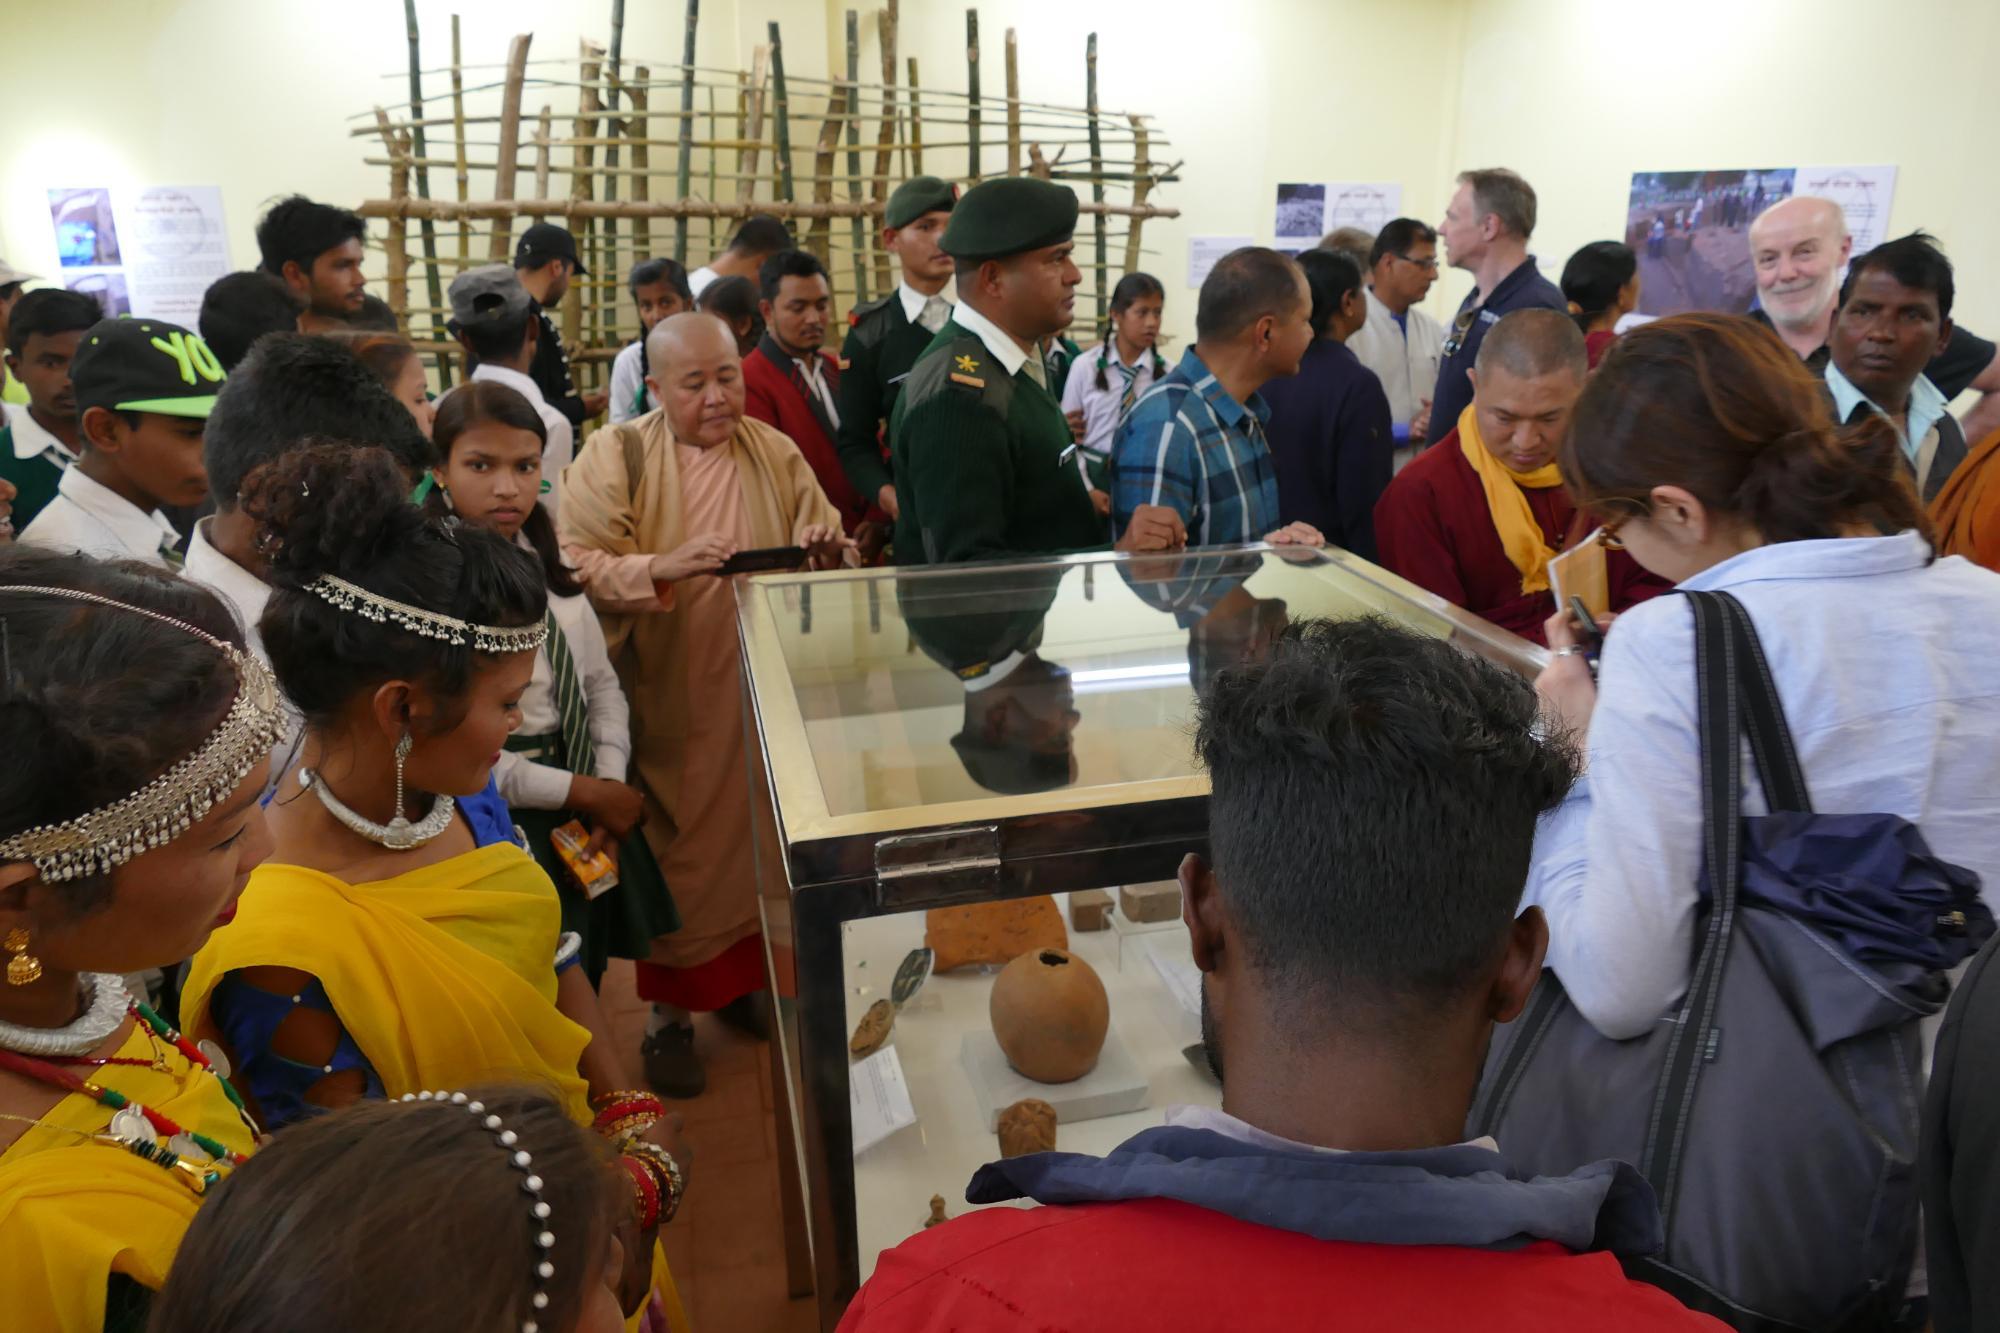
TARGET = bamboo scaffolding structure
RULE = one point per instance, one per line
(819, 238)
(1096, 166)
(781, 111)
(859, 240)
(686, 162)
(641, 157)
(543, 124)
(418, 149)
(398, 241)
(510, 138)
(667, 208)
(1013, 105)
(914, 158)
(458, 141)
(880, 190)
(747, 164)
(611, 89)
(1142, 185)
(590, 59)
(972, 92)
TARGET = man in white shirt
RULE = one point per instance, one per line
(760, 237)
(143, 393)
(1400, 343)
(493, 318)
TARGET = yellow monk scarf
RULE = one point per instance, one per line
(1520, 535)
(74, 1212)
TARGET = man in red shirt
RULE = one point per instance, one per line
(791, 384)
(1477, 517)
(1374, 799)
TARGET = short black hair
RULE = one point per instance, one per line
(47, 311)
(1916, 261)
(771, 274)
(1398, 235)
(495, 342)
(1330, 276)
(1594, 276)
(731, 298)
(761, 234)
(1375, 792)
(294, 387)
(670, 271)
(1244, 286)
(298, 231)
(239, 308)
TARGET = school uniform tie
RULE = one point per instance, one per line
(1131, 394)
(934, 314)
(173, 557)
(566, 691)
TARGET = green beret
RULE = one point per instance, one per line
(1009, 215)
(917, 196)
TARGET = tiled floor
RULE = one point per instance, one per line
(727, 1245)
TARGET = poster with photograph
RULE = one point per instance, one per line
(1366, 205)
(1691, 232)
(1864, 195)
(1301, 212)
(151, 251)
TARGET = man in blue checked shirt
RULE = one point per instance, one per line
(1195, 442)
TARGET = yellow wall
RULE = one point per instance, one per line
(254, 96)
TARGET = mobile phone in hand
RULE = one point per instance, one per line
(1587, 632)
(763, 560)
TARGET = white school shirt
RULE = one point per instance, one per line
(533, 785)
(560, 449)
(1884, 665)
(1100, 406)
(627, 382)
(32, 441)
(247, 596)
(1406, 363)
(92, 519)
(914, 302)
(700, 279)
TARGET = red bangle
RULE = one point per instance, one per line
(614, 1106)
(647, 1190)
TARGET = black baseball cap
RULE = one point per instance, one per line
(145, 365)
(545, 241)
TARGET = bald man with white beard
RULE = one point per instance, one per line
(1799, 247)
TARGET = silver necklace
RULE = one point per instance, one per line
(108, 1007)
(399, 834)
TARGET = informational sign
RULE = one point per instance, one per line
(1306, 212)
(878, 1099)
(1691, 230)
(1204, 251)
(151, 251)
(1863, 193)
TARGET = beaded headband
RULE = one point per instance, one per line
(99, 840)
(445, 629)
(531, 1185)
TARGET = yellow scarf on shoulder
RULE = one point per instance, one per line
(445, 976)
(1520, 535)
(73, 1212)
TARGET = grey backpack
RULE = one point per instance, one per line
(1775, 1110)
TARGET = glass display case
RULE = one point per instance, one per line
(964, 735)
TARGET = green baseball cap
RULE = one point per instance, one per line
(1010, 215)
(145, 365)
(917, 196)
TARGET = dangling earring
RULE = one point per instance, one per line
(23, 969)
(403, 748)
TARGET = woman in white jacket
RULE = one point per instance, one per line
(1711, 454)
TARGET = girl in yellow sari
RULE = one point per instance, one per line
(382, 951)
(136, 733)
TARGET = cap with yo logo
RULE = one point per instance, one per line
(145, 365)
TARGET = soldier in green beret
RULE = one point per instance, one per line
(888, 335)
(983, 457)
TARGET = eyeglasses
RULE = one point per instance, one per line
(1428, 265)
(1459, 328)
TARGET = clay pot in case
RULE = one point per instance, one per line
(1050, 1014)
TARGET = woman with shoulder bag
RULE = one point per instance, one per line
(1744, 945)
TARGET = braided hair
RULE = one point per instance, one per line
(1131, 288)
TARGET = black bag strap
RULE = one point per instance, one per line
(1716, 674)
(1778, 768)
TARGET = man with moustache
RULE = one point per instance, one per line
(1799, 248)
(1399, 342)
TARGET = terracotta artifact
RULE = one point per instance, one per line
(1050, 1014)
(1089, 909)
(993, 932)
(1144, 904)
(1027, 1126)
(872, 1030)
(937, 1217)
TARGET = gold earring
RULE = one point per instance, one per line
(23, 969)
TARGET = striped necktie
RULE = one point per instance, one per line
(566, 691)
(1131, 394)
(168, 553)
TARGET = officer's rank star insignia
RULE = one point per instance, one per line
(967, 364)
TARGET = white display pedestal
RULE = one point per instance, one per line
(1114, 1087)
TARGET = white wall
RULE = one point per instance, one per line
(255, 96)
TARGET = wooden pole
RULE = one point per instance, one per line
(510, 139)
(686, 162)
(972, 95)
(887, 135)
(1142, 185)
(915, 150)
(780, 115)
(820, 239)
(589, 58)
(676, 208)
(753, 127)
(642, 235)
(419, 149)
(458, 140)
(860, 238)
(1013, 105)
(544, 124)
(1103, 296)
(396, 244)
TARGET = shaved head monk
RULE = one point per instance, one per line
(1477, 517)
(651, 511)
(1800, 248)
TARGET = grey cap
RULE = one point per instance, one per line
(490, 296)
(9, 275)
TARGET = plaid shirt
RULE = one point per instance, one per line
(1191, 447)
